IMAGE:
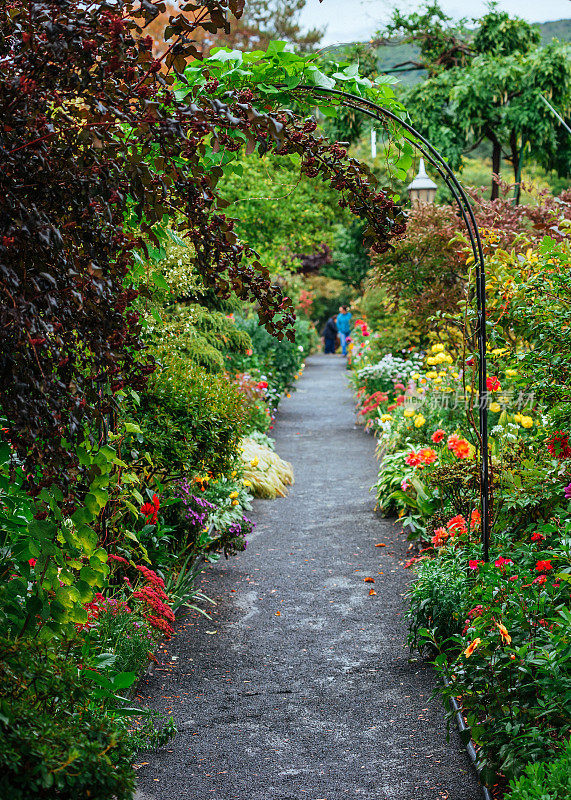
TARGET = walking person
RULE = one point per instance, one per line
(344, 327)
(329, 335)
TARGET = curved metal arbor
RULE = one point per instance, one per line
(418, 141)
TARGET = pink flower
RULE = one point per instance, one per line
(438, 435)
(404, 484)
(473, 564)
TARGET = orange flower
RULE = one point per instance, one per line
(440, 536)
(457, 525)
(413, 459)
(438, 435)
(471, 647)
(427, 455)
(461, 448)
(506, 638)
(475, 519)
(452, 440)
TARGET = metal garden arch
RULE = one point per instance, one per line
(418, 141)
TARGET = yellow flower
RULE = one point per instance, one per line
(234, 502)
(433, 374)
(468, 388)
(526, 422)
(437, 348)
(431, 361)
(438, 380)
(449, 359)
(518, 417)
(233, 473)
(442, 373)
(495, 407)
(419, 421)
(232, 495)
(511, 373)
(246, 483)
(423, 380)
(387, 417)
(409, 412)
(455, 375)
(255, 461)
(471, 647)
(415, 376)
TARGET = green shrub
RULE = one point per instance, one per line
(438, 600)
(544, 781)
(56, 741)
(280, 361)
(126, 636)
(191, 420)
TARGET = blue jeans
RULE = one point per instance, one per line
(343, 340)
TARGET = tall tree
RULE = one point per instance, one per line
(267, 20)
(261, 22)
(488, 84)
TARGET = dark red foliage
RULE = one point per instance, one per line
(96, 150)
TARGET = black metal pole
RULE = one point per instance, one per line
(380, 113)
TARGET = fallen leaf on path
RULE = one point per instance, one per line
(278, 613)
(369, 580)
(380, 544)
(372, 591)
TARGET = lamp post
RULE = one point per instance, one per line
(422, 188)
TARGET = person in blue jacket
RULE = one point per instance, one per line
(344, 327)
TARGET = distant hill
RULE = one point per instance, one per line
(560, 29)
(389, 55)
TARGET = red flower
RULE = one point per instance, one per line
(151, 576)
(438, 435)
(263, 385)
(118, 559)
(501, 562)
(400, 399)
(558, 445)
(537, 537)
(32, 562)
(543, 566)
(541, 579)
(149, 511)
(475, 519)
(493, 384)
(473, 564)
(392, 407)
(452, 441)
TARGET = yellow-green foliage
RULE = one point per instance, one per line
(267, 472)
(198, 335)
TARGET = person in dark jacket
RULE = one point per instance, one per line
(329, 334)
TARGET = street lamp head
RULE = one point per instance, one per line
(422, 188)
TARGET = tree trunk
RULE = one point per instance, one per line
(496, 167)
(517, 163)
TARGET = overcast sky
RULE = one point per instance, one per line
(351, 20)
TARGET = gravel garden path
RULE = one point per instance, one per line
(301, 686)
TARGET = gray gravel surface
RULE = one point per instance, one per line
(301, 686)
